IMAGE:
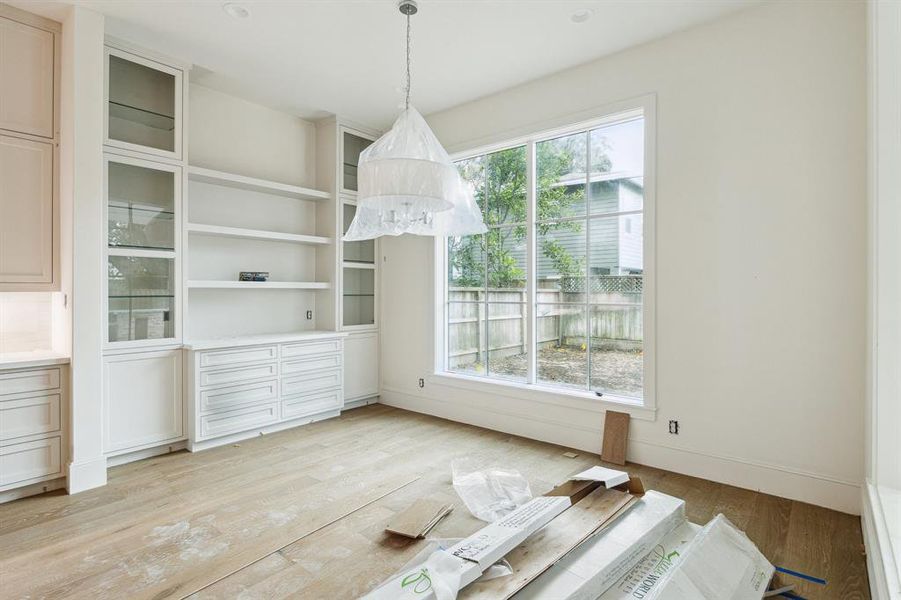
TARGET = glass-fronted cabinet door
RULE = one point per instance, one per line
(142, 207)
(352, 144)
(358, 278)
(143, 104)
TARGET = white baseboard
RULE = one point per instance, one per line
(86, 475)
(881, 565)
(121, 459)
(771, 479)
(359, 402)
(33, 489)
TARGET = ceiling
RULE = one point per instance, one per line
(316, 57)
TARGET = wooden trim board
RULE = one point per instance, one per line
(616, 435)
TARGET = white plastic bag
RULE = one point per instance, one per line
(491, 493)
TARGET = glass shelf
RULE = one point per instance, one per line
(141, 298)
(147, 118)
(141, 207)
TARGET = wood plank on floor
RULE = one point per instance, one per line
(103, 543)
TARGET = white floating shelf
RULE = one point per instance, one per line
(262, 285)
(255, 185)
(256, 234)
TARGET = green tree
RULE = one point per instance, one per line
(500, 180)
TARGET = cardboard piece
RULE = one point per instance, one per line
(609, 477)
(616, 434)
(596, 565)
(419, 518)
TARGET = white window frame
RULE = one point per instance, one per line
(644, 408)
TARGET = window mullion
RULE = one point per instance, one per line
(531, 265)
(587, 289)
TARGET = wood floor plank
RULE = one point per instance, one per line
(160, 527)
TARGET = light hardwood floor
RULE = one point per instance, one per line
(263, 518)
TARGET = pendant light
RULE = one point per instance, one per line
(407, 182)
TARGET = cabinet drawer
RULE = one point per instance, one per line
(240, 419)
(302, 406)
(234, 356)
(238, 374)
(29, 416)
(20, 463)
(29, 381)
(297, 385)
(311, 348)
(318, 363)
(234, 395)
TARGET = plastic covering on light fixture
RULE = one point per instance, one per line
(408, 184)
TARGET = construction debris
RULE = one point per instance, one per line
(417, 520)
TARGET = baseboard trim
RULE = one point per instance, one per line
(777, 480)
(884, 582)
(86, 475)
(359, 402)
(32, 489)
(127, 457)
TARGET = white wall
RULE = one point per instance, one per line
(234, 135)
(760, 253)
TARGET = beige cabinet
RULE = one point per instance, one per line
(26, 73)
(29, 138)
(26, 211)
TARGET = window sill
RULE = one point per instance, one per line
(546, 395)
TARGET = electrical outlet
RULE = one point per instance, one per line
(309, 315)
(674, 427)
(421, 383)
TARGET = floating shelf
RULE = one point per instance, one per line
(255, 185)
(257, 234)
(262, 285)
(350, 264)
(142, 116)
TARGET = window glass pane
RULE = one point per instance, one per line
(617, 361)
(353, 146)
(141, 104)
(358, 299)
(465, 263)
(560, 177)
(507, 343)
(473, 171)
(506, 186)
(466, 342)
(507, 258)
(562, 350)
(617, 167)
(362, 251)
(616, 248)
(561, 259)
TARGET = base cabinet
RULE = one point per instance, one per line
(142, 393)
(361, 366)
(240, 390)
(33, 417)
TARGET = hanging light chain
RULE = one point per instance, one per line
(407, 100)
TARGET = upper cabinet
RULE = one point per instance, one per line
(29, 141)
(27, 73)
(352, 144)
(144, 105)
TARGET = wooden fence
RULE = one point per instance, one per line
(499, 325)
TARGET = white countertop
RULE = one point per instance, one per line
(40, 358)
(256, 340)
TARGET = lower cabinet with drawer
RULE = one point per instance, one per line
(33, 417)
(245, 388)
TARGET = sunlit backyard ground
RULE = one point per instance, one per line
(612, 371)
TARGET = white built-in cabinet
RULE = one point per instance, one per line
(29, 141)
(143, 400)
(144, 182)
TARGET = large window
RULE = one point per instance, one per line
(553, 293)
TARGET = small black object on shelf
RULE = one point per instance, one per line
(253, 276)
